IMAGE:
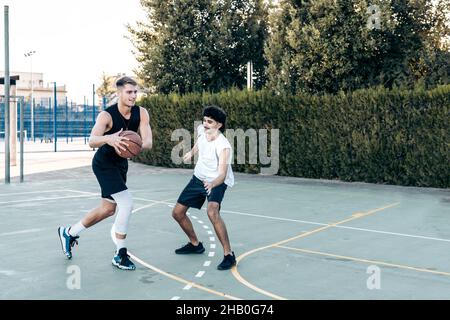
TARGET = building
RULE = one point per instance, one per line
(41, 92)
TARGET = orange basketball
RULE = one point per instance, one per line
(134, 144)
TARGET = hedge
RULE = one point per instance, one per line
(373, 135)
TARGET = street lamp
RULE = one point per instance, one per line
(30, 54)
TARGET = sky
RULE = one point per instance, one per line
(75, 40)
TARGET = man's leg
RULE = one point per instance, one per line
(229, 260)
(105, 210)
(69, 236)
(219, 226)
(124, 202)
(179, 214)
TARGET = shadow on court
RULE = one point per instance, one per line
(294, 239)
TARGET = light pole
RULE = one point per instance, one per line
(30, 54)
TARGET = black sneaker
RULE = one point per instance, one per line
(121, 260)
(190, 248)
(227, 262)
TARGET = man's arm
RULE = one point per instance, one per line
(191, 153)
(223, 169)
(97, 138)
(145, 130)
(194, 149)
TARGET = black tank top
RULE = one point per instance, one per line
(106, 152)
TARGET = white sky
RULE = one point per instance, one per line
(75, 40)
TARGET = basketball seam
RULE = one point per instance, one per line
(140, 145)
(126, 147)
(133, 155)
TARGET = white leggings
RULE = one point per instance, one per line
(124, 203)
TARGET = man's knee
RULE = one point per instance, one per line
(124, 201)
(213, 210)
(127, 206)
(109, 209)
(178, 213)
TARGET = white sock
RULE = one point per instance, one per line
(76, 229)
(120, 243)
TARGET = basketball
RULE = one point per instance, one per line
(134, 144)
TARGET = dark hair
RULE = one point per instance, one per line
(216, 113)
(125, 80)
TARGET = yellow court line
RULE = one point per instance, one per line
(400, 266)
(237, 275)
(193, 284)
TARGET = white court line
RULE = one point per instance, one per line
(176, 278)
(274, 218)
(20, 232)
(396, 234)
(212, 239)
(341, 227)
(323, 224)
(33, 192)
(7, 272)
(46, 199)
(211, 254)
(134, 211)
(212, 246)
(200, 274)
(155, 201)
(206, 227)
(206, 263)
(144, 207)
(209, 232)
(258, 216)
(175, 298)
(93, 193)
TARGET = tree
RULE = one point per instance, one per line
(414, 42)
(331, 45)
(173, 45)
(197, 45)
(241, 31)
(107, 88)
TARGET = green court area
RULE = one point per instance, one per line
(294, 239)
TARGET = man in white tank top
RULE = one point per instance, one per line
(212, 176)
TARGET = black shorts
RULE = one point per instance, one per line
(194, 194)
(111, 175)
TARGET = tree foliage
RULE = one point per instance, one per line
(331, 45)
(197, 45)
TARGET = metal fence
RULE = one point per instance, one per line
(63, 120)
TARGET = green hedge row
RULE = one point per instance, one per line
(374, 135)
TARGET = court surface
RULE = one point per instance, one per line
(294, 239)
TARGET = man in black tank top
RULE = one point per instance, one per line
(111, 170)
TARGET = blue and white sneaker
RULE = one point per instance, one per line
(67, 241)
(121, 260)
